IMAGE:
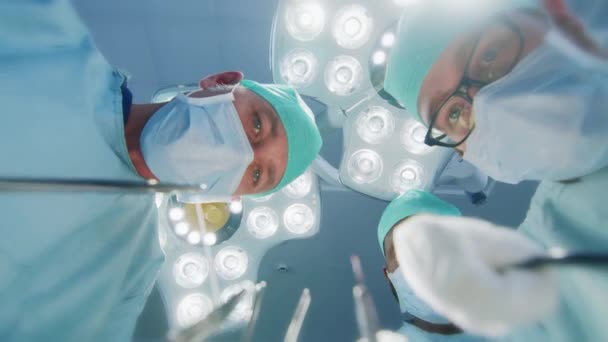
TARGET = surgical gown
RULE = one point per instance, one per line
(73, 266)
(574, 217)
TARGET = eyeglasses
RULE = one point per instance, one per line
(495, 53)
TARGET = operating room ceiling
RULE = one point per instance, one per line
(160, 43)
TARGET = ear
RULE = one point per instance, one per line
(223, 78)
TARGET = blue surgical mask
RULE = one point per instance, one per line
(198, 141)
(409, 303)
(545, 120)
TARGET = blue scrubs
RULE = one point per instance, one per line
(73, 267)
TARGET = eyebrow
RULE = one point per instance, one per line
(462, 56)
(273, 124)
(439, 97)
(271, 175)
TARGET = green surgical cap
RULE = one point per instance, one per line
(411, 203)
(424, 32)
(303, 137)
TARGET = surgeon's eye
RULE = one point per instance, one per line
(257, 124)
(454, 114)
(489, 55)
(256, 175)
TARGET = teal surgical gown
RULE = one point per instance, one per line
(73, 266)
(574, 217)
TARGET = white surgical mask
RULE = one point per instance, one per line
(198, 141)
(410, 303)
(545, 120)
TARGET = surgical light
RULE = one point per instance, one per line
(352, 27)
(305, 20)
(194, 237)
(343, 75)
(365, 166)
(176, 214)
(388, 39)
(262, 222)
(190, 270)
(300, 187)
(298, 219)
(375, 124)
(244, 309)
(407, 176)
(236, 207)
(262, 199)
(181, 228)
(192, 309)
(231, 262)
(379, 57)
(158, 199)
(299, 68)
(210, 239)
(412, 137)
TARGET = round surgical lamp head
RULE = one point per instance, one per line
(299, 68)
(407, 176)
(352, 27)
(190, 270)
(300, 187)
(299, 219)
(365, 166)
(192, 309)
(375, 124)
(262, 222)
(412, 137)
(343, 75)
(231, 262)
(305, 20)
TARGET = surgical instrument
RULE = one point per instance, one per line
(295, 326)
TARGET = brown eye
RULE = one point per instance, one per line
(256, 175)
(257, 124)
(489, 56)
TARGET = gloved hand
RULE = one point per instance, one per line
(452, 264)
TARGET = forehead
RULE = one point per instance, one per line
(253, 100)
(445, 74)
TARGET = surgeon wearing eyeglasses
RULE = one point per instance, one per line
(79, 266)
(518, 88)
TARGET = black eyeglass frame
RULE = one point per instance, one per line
(462, 90)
